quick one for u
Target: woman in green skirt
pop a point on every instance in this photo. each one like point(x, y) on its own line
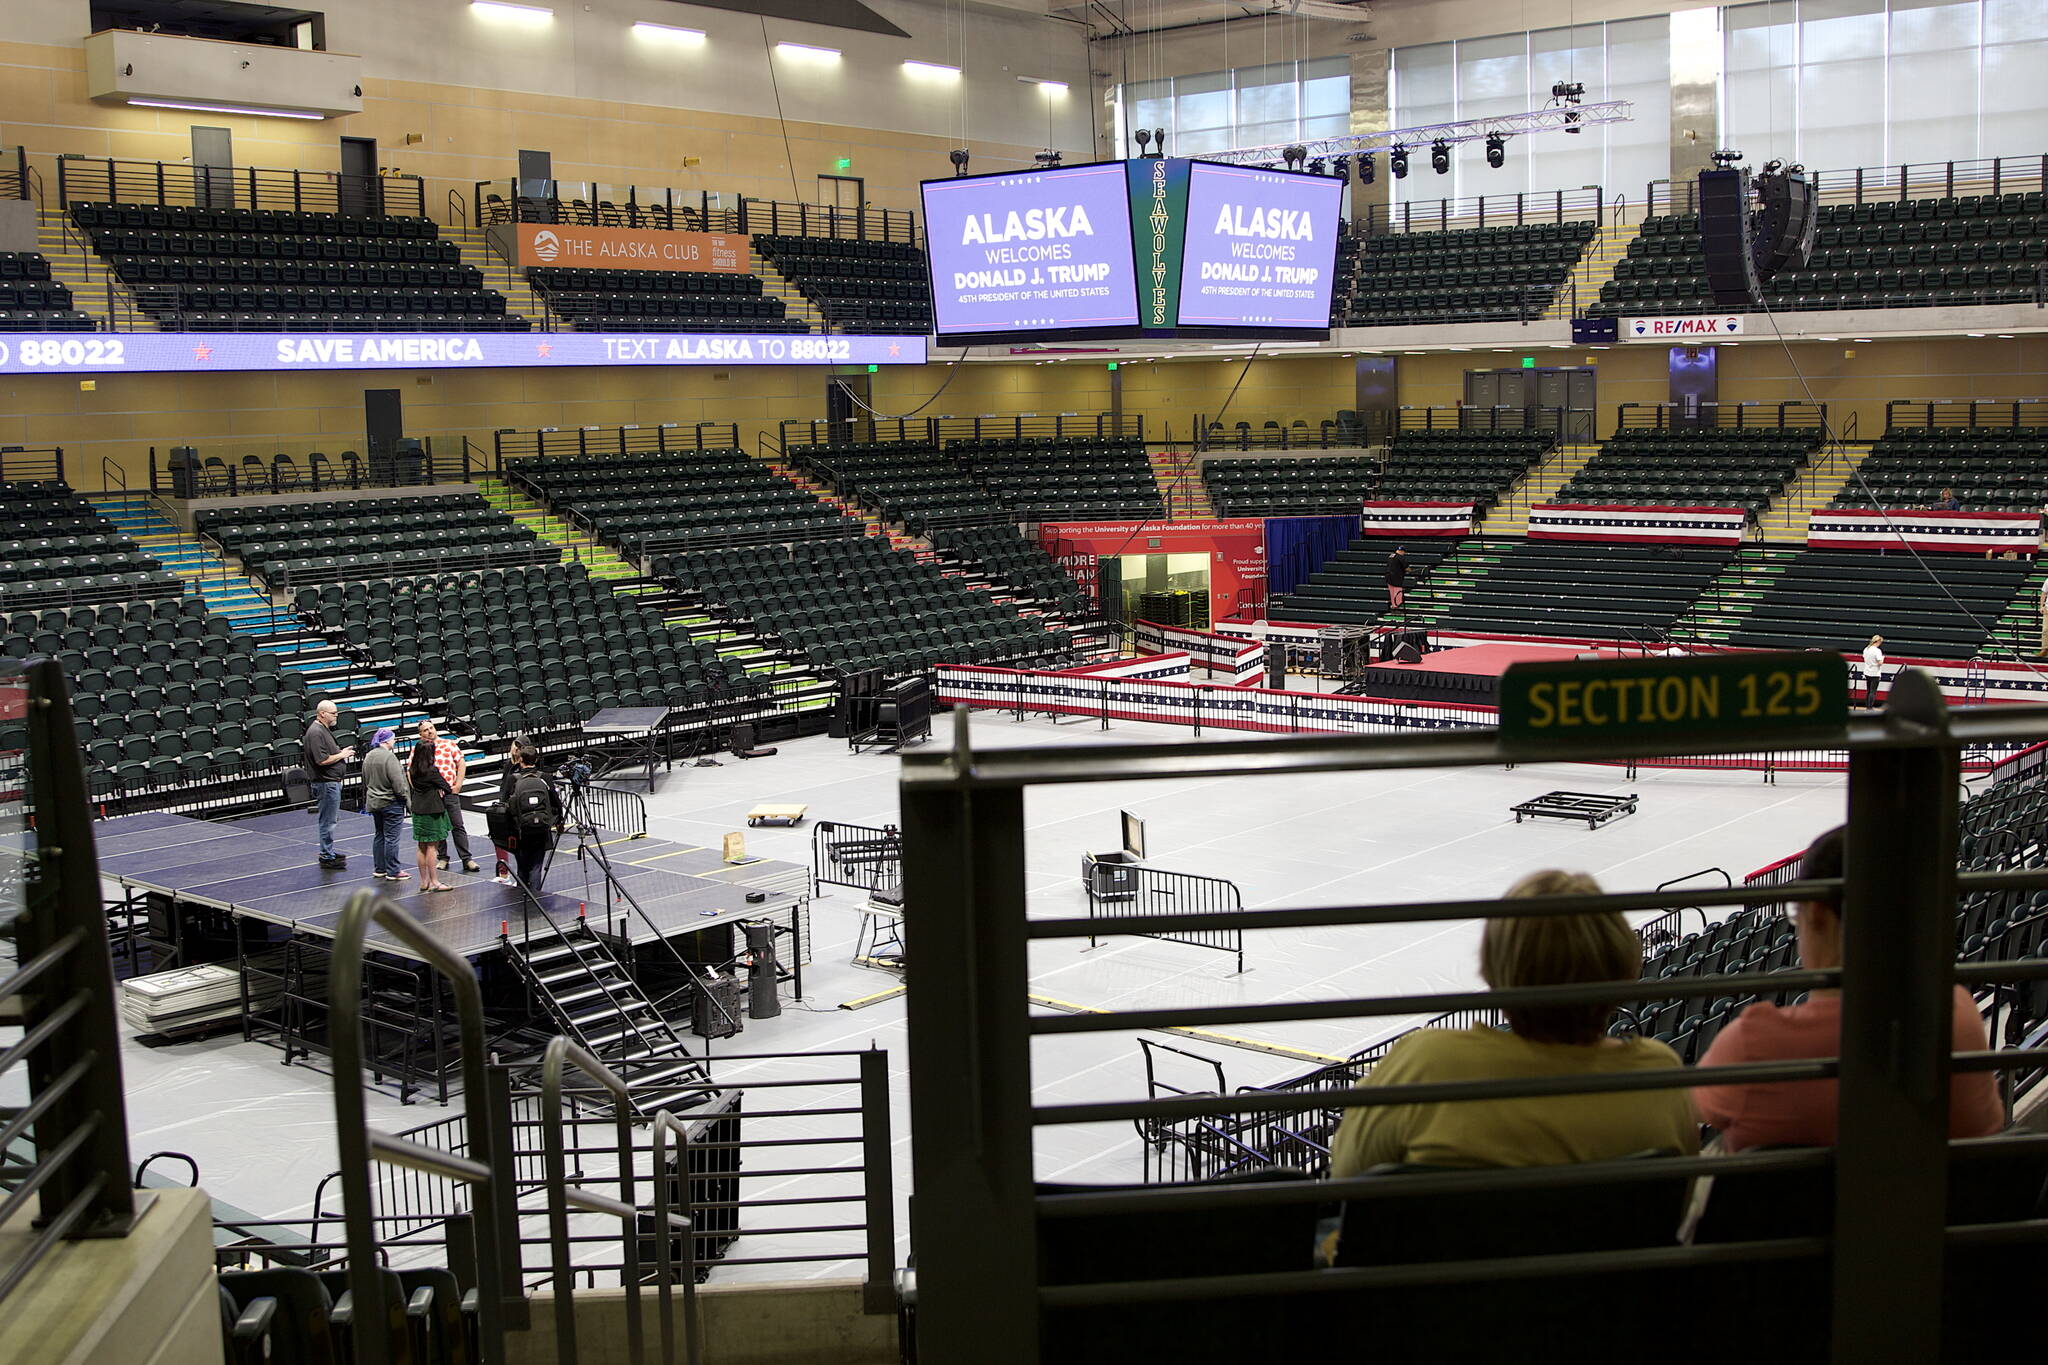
point(429, 801)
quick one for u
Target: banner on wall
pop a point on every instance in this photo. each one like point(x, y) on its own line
point(1955, 532)
point(1236, 551)
point(617, 248)
point(1235, 661)
point(1639, 525)
point(1416, 519)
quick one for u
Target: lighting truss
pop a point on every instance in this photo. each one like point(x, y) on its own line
point(1551, 120)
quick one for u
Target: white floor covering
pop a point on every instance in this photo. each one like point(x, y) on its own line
point(263, 1134)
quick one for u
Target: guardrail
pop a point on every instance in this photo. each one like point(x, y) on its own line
point(1499, 418)
point(1485, 210)
point(1346, 428)
point(61, 994)
point(106, 180)
point(776, 218)
point(19, 464)
point(661, 438)
point(242, 471)
point(1878, 184)
point(1965, 412)
point(14, 181)
point(1811, 418)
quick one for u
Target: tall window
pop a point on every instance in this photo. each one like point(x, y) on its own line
point(1838, 84)
point(1511, 73)
point(1253, 106)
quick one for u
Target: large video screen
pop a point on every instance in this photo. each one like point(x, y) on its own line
point(1260, 250)
point(1034, 252)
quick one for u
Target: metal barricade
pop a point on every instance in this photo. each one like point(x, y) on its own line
point(859, 856)
point(1122, 890)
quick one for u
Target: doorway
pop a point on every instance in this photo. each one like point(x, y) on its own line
point(213, 167)
point(843, 414)
point(360, 193)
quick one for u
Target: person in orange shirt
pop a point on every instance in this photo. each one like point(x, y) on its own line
point(1802, 1113)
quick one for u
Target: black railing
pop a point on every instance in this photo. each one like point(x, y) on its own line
point(1486, 210)
point(1121, 890)
point(660, 438)
point(14, 181)
point(1810, 418)
point(774, 218)
point(1346, 428)
point(20, 464)
point(1879, 184)
point(860, 856)
point(1965, 412)
point(312, 471)
point(1571, 421)
point(593, 204)
point(1030, 426)
point(105, 180)
point(64, 1145)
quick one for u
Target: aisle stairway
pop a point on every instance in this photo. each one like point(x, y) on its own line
point(1784, 521)
point(776, 285)
point(94, 290)
point(1581, 289)
point(1728, 599)
point(1510, 516)
point(1179, 477)
point(599, 559)
point(519, 296)
point(1462, 568)
point(2018, 633)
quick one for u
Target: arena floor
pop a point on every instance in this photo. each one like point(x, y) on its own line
point(263, 1133)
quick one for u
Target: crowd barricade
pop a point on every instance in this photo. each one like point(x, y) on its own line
point(1237, 661)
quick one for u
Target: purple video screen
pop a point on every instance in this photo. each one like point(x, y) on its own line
point(1261, 248)
point(1037, 251)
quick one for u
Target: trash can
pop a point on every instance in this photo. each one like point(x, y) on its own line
point(184, 473)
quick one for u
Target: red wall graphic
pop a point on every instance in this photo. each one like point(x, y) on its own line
point(1236, 550)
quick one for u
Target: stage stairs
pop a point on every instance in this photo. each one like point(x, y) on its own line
point(1718, 611)
point(1510, 516)
point(594, 1000)
point(1179, 476)
point(1784, 521)
point(1595, 267)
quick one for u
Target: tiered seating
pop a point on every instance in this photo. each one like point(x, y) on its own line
point(1459, 466)
point(1464, 275)
point(1897, 254)
point(861, 286)
point(536, 649)
point(1758, 940)
point(1991, 469)
point(1693, 467)
point(1838, 599)
point(604, 213)
point(859, 604)
point(2006, 829)
point(270, 270)
point(318, 542)
point(54, 547)
point(30, 301)
point(167, 694)
point(1571, 589)
point(644, 501)
point(910, 482)
point(1344, 275)
point(660, 301)
point(1279, 487)
point(1063, 478)
point(1352, 588)
point(1001, 553)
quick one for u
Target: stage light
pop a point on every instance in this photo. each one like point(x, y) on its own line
point(1143, 137)
point(1046, 159)
point(1367, 171)
point(1294, 156)
point(1440, 157)
point(1397, 161)
point(1496, 150)
point(959, 158)
point(1159, 140)
point(1318, 166)
point(1341, 167)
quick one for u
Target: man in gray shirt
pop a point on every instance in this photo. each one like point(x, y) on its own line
point(326, 764)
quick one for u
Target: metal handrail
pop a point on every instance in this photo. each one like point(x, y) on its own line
point(360, 1144)
point(111, 180)
point(665, 1124)
point(1885, 184)
point(562, 1053)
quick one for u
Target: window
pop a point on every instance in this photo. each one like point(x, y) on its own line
point(1254, 106)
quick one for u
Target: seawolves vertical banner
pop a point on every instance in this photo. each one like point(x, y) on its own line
point(1159, 225)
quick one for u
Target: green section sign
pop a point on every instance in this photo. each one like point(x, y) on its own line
point(1556, 706)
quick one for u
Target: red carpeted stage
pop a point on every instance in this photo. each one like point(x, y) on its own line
point(1470, 675)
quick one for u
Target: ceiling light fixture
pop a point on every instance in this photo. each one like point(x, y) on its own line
point(808, 51)
point(519, 14)
point(225, 109)
point(934, 70)
point(670, 32)
point(1050, 87)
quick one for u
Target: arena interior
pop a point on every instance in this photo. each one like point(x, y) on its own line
point(1325, 568)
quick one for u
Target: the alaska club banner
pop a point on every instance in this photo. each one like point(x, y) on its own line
point(1415, 519)
point(1638, 525)
point(1966, 532)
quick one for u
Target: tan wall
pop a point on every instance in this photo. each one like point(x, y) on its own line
point(471, 134)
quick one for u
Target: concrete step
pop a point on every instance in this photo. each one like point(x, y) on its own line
point(1595, 267)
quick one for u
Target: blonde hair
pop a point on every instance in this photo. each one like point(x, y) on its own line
point(1558, 950)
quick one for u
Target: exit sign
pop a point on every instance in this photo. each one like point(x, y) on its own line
point(844, 163)
point(1550, 708)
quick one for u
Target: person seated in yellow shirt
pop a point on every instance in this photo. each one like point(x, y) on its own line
point(1551, 1040)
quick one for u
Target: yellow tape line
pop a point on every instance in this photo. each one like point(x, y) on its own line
point(1205, 1035)
point(877, 998)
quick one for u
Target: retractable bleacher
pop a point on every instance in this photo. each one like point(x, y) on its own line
point(1352, 588)
point(1489, 274)
point(905, 481)
point(1693, 467)
point(1911, 253)
point(1570, 589)
point(660, 301)
point(1063, 478)
point(30, 301)
point(1000, 553)
point(1937, 606)
point(293, 544)
point(1460, 466)
point(233, 269)
point(1280, 487)
point(857, 284)
point(1991, 469)
point(56, 549)
point(642, 503)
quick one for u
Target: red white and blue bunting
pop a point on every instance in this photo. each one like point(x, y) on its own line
point(1196, 704)
point(1234, 661)
point(1164, 665)
point(1639, 525)
point(1942, 532)
point(1416, 519)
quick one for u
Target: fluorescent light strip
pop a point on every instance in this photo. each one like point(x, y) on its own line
point(824, 54)
point(1043, 83)
point(500, 9)
point(671, 32)
point(223, 109)
point(935, 70)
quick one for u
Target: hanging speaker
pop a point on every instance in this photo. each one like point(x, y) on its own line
point(1725, 238)
point(1786, 224)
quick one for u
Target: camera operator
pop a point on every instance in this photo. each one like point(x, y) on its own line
point(535, 812)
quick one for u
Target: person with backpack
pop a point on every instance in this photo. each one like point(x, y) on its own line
point(536, 814)
point(498, 815)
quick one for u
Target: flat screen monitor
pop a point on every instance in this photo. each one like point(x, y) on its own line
point(1031, 253)
point(1260, 250)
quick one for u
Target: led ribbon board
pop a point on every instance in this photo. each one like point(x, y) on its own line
point(205, 352)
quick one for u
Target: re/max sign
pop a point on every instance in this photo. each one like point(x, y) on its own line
point(1559, 703)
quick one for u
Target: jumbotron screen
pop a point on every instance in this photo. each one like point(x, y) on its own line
point(1037, 252)
point(1157, 247)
